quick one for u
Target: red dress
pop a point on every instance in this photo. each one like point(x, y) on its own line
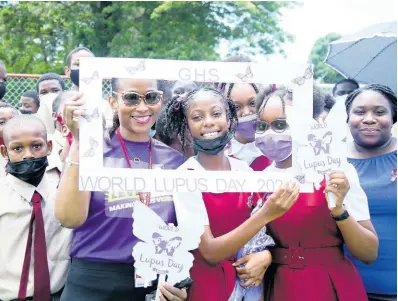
point(226, 211)
point(308, 261)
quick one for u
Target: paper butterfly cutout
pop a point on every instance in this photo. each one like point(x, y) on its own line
point(245, 77)
point(163, 249)
point(89, 80)
point(321, 144)
point(92, 116)
point(307, 75)
point(322, 147)
point(91, 151)
point(133, 70)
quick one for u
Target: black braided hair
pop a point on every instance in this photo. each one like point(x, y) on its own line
point(177, 109)
point(329, 102)
point(285, 94)
point(160, 127)
point(229, 86)
point(383, 90)
point(161, 85)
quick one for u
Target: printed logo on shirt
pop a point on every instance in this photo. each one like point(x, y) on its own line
point(121, 203)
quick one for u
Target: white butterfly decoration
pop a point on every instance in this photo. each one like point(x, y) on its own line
point(164, 249)
point(322, 147)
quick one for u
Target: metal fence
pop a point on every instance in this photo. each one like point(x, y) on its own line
point(17, 84)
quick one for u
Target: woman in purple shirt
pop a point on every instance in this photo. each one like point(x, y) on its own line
point(102, 266)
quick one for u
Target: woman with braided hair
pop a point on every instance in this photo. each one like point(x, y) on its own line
point(243, 96)
point(372, 111)
point(210, 119)
point(102, 266)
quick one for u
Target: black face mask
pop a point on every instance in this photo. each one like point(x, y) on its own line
point(74, 76)
point(2, 89)
point(24, 111)
point(213, 146)
point(30, 170)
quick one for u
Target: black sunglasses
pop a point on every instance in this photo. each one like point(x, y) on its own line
point(278, 125)
point(132, 99)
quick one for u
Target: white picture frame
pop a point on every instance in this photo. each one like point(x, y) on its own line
point(93, 176)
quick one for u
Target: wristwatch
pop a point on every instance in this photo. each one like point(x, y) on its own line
point(342, 216)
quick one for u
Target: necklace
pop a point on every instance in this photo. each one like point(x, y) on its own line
point(137, 159)
point(126, 156)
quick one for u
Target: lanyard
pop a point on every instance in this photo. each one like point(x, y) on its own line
point(126, 155)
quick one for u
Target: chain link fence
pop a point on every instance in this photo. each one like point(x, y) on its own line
point(17, 84)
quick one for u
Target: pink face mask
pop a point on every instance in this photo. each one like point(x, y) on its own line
point(275, 146)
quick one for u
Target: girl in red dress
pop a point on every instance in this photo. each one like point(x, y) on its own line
point(210, 119)
point(308, 262)
point(242, 145)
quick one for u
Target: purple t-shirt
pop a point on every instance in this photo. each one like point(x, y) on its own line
point(107, 234)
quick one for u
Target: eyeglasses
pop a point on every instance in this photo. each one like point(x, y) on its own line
point(278, 125)
point(132, 99)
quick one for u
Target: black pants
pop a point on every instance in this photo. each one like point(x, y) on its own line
point(377, 297)
point(99, 281)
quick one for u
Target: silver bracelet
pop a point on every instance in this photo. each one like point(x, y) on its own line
point(70, 163)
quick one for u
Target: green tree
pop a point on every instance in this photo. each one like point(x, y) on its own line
point(35, 37)
point(323, 72)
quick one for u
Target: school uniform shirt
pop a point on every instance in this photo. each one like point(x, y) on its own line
point(223, 212)
point(2, 166)
point(249, 153)
point(107, 234)
point(308, 234)
point(15, 214)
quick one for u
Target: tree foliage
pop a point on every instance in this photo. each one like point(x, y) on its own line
point(323, 72)
point(35, 37)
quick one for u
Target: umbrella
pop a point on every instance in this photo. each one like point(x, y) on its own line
point(369, 56)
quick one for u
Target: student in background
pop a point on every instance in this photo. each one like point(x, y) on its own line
point(6, 113)
point(3, 80)
point(329, 103)
point(72, 68)
point(372, 110)
point(34, 246)
point(29, 102)
point(345, 87)
point(242, 145)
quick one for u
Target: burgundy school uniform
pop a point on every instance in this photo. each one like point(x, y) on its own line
point(224, 212)
point(308, 261)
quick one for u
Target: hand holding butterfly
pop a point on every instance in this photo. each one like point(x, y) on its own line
point(72, 111)
point(337, 184)
point(281, 200)
point(170, 293)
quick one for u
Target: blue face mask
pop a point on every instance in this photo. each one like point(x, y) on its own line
point(152, 133)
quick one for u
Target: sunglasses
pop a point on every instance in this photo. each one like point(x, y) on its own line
point(278, 125)
point(132, 99)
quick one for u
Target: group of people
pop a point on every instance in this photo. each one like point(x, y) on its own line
point(307, 250)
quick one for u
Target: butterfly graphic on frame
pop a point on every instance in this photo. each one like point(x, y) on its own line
point(139, 68)
point(245, 77)
point(307, 75)
point(165, 245)
point(89, 80)
point(92, 116)
point(91, 151)
point(322, 144)
point(300, 179)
